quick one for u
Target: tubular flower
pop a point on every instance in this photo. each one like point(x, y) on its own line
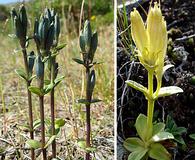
point(150, 39)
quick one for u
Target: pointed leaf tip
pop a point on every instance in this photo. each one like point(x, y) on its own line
point(167, 91)
point(136, 86)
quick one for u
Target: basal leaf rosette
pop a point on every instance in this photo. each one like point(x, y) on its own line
point(143, 146)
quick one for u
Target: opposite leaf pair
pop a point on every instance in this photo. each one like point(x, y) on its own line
point(148, 145)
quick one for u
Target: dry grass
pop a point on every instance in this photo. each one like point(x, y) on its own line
point(13, 101)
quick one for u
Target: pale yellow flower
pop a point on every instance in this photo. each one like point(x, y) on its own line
point(150, 38)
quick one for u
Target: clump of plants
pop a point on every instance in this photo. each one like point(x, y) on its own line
point(88, 44)
point(151, 43)
point(46, 35)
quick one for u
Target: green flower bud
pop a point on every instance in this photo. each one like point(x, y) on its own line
point(43, 31)
point(93, 47)
point(57, 29)
point(82, 43)
point(13, 14)
point(39, 67)
point(31, 60)
point(53, 13)
point(36, 27)
point(18, 28)
point(92, 82)
point(40, 28)
point(20, 24)
point(23, 19)
point(36, 34)
point(47, 14)
point(50, 37)
point(88, 43)
point(87, 33)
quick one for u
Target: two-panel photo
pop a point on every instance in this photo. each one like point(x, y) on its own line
point(97, 80)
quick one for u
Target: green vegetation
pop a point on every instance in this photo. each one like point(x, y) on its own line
point(88, 44)
point(151, 53)
point(71, 87)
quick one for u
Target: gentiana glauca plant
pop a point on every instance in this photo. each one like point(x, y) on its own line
point(46, 33)
point(151, 43)
point(88, 45)
point(20, 23)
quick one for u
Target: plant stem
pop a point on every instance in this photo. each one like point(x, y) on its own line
point(150, 104)
point(88, 125)
point(31, 119)
point(53, 107)
point(53, 123)
point(41, 101)
point(29, 100)
point(41, 104)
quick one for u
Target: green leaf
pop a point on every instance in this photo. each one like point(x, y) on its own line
point(167, 67)
point(85, 101)
point(192, 136)
point(2, 150)
point(36, 123)
point(46, 82)
point(159, 127)
point(61, 46)
point(171, 127)
point(159, 152)
point(94, 63)
point(57, 131)
point(59, 123)
point(161, 136)
point(21, 74)
point(82, 144)
point(136, 86)
point(36, 90)
point(24, 127)
point(45, 59)
point(51, 139)
point(55, 52)
point(141, 126)
point(170, 124)
point(50, 133)
point(133, 144)
point(79, 61)
point(32, 77)
point(91, 149)
point(179, 139)
point(95, 100)
point(58, 80)
point(167, 91)
point(48, 88)
point(179, 131)
point(137, 155)
point(33, 143)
